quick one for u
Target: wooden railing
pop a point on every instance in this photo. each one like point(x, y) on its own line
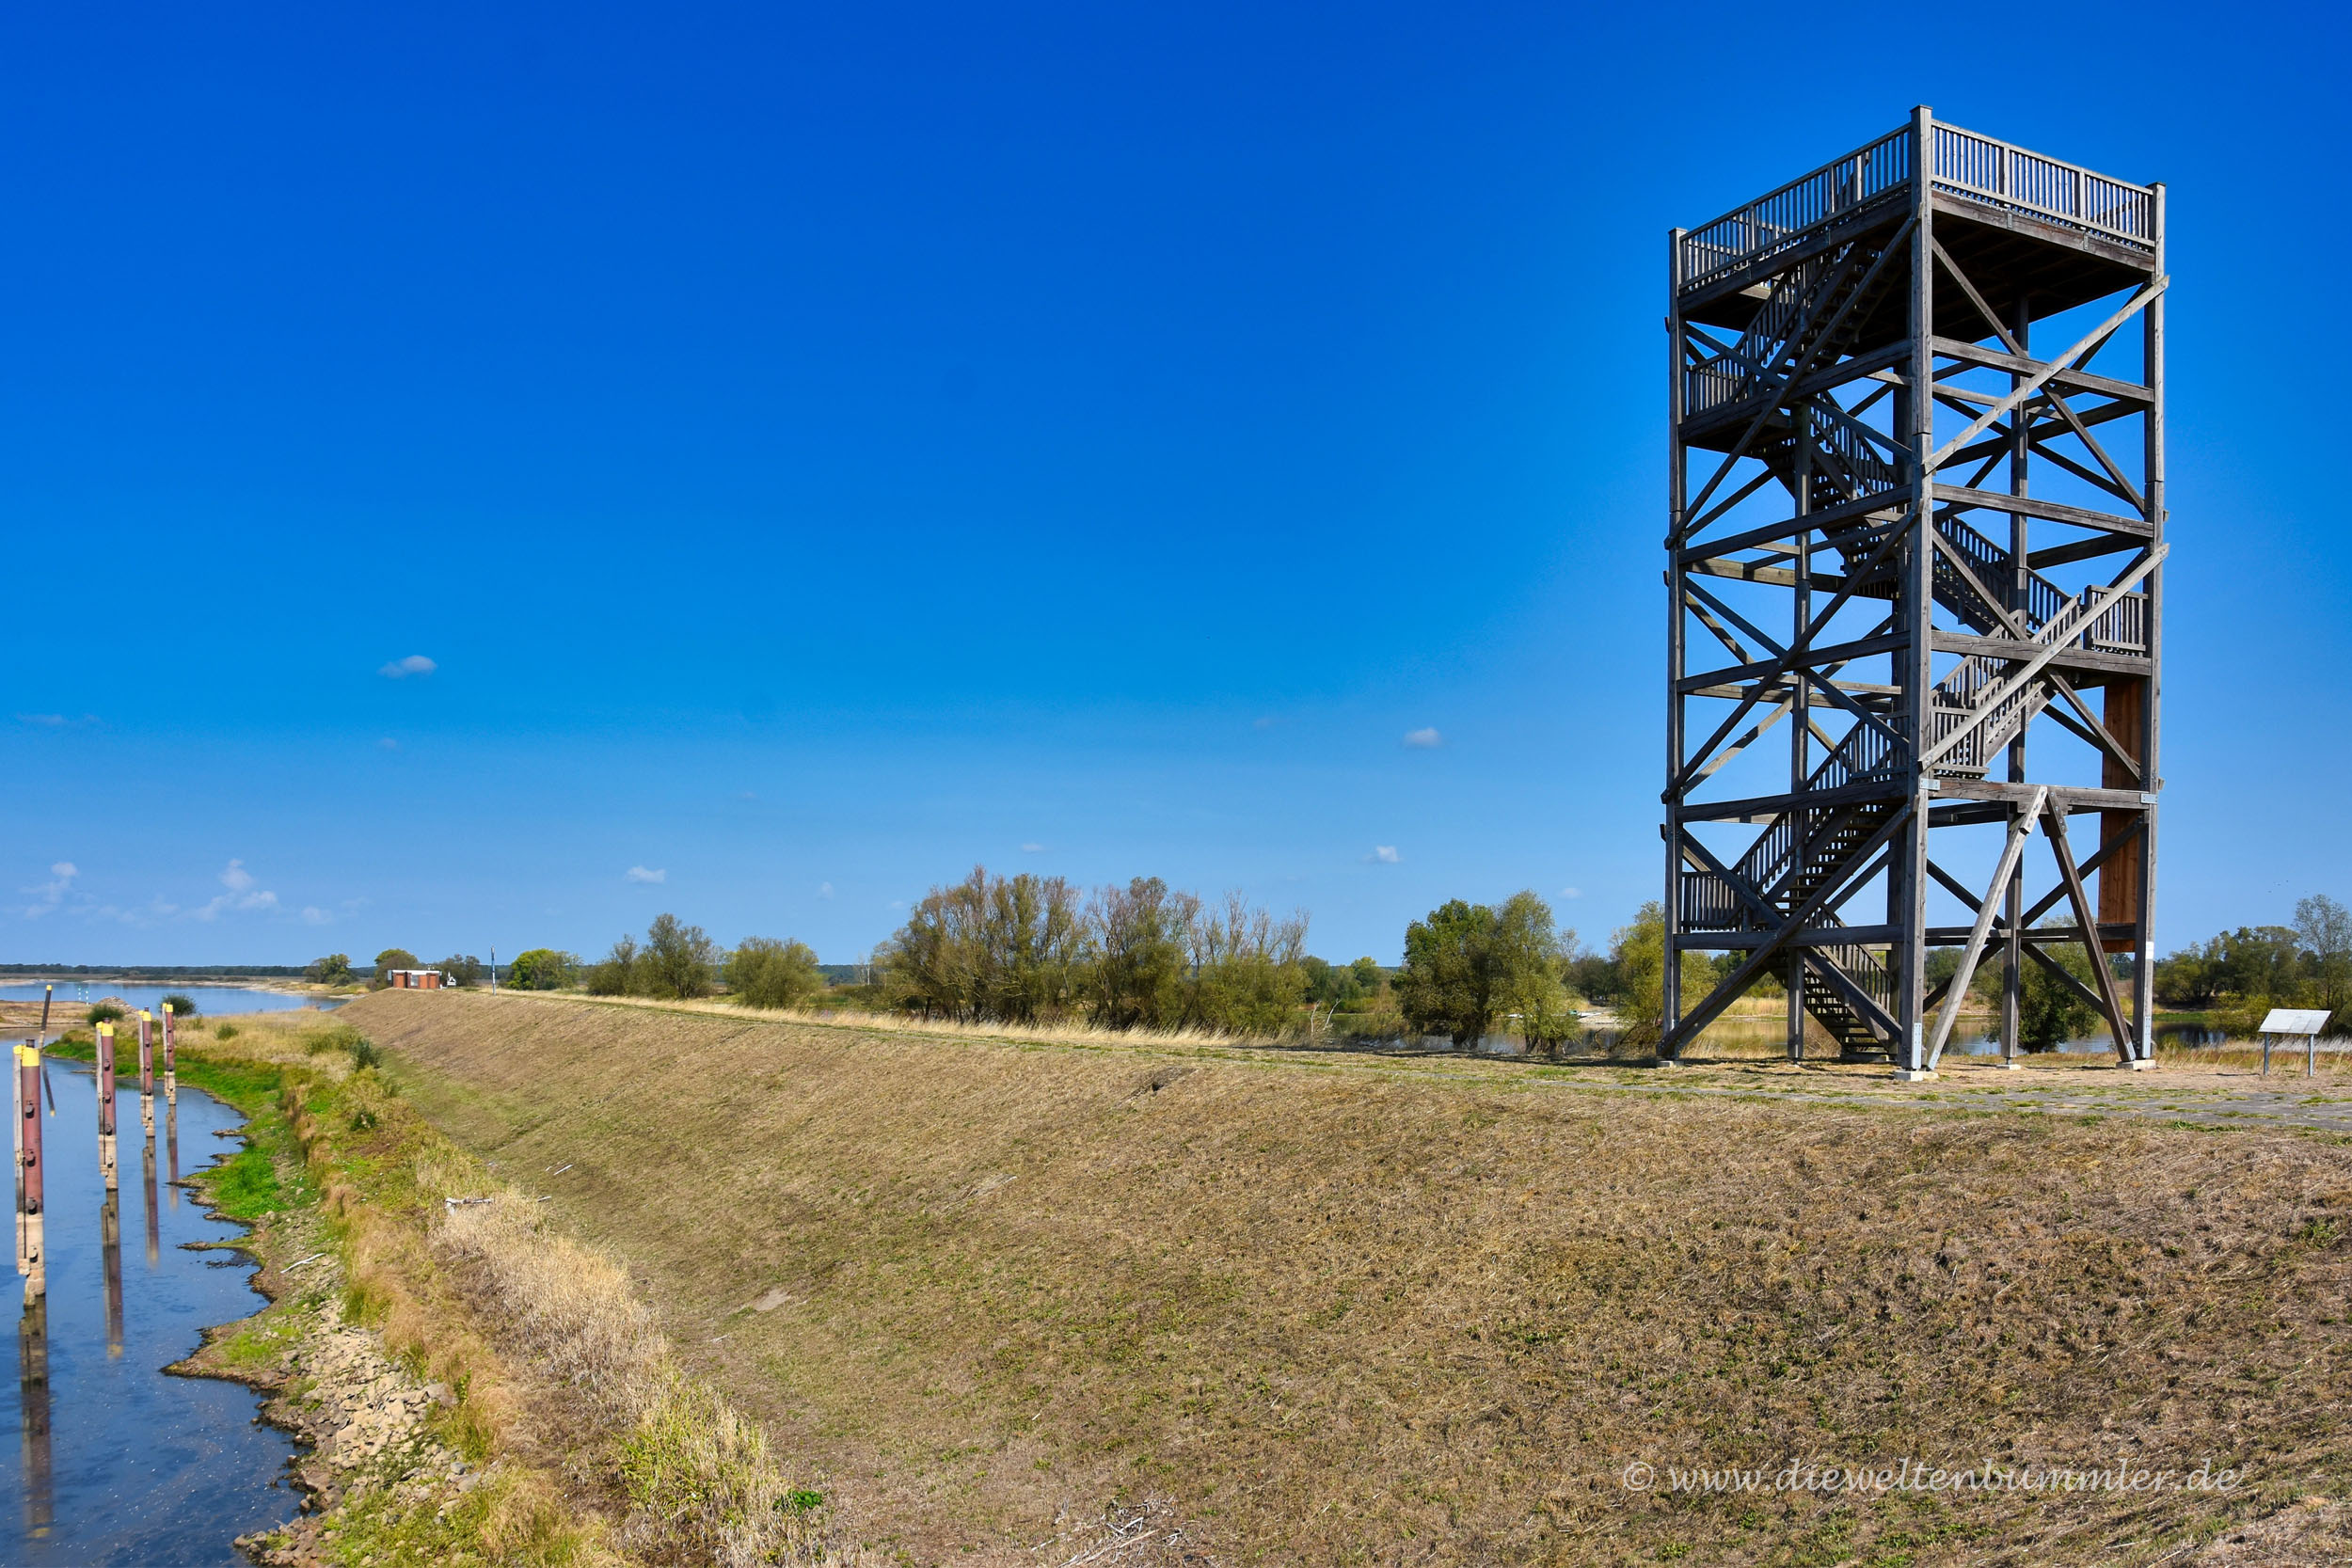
point(1962, 163)
point(1774, 221)
point(2005, 176)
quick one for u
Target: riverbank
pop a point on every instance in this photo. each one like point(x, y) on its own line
point(1323, 1307)
point(474, 1388)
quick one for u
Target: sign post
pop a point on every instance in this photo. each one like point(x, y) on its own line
point(2286, 1024)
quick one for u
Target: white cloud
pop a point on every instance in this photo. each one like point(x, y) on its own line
point(52, 894)
point(389, 744)
point(824, 889)
point(1571, 893)
point(1033, 848)
point(1424, 741)
point(1266, 724)
point(241, 895)
point(401, 669)
point(1383, 854)
point(640, 874)
point(314, 916)
point(745, 795)
point(56, 720)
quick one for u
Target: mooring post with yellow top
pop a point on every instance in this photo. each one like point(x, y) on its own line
point(30, 1171)
point(147, 1072)
point(172, 1071)
point(106, 1105)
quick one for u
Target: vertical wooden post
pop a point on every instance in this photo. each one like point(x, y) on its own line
point(1907, 872)
point(1677, 484)
point(2152, 721)
point(171, 1153)
point(32, 1383)
point(106, 1105)
point(2020, 588)
point(171, 1074)
point(147, 1073)
point(31, 1174)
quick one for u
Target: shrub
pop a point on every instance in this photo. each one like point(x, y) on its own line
point(102, 1012)
point(332, 970)
point(678, 959)
point(182, 1004)
point(765, 972)
point(617, 976)
point(543, 969)
point(224, 1030)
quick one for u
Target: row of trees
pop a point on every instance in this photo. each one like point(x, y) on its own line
point(678, 961)
point(1031, 949)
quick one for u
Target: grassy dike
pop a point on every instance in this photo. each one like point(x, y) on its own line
point(476, 1389)
point(1324, 1308)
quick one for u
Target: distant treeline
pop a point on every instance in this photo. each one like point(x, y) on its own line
point(2243, 973)
point(1142, 954)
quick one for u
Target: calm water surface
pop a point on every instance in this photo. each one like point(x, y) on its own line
point(110, 1461)
point(74, 997)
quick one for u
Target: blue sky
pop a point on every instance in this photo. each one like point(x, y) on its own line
point(817, 448)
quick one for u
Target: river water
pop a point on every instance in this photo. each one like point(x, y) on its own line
point(73, 997)
point(109, 1460)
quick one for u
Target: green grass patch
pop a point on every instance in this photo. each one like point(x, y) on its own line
point(245, 1186)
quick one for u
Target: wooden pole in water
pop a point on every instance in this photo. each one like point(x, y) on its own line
point(110, 1243)
point(171, 1072)
point(147, 1072)
point(30, 1252)
point(155, 1220)
point(32, 1383)
point(106, 1105)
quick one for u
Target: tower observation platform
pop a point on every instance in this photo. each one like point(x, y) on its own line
point(1915, 568)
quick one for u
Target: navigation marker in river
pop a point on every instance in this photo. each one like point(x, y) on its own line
point(106, 1105)
point(147, 1073)
point(28, 1173)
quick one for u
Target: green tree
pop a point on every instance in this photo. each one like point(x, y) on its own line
point(389, 960)
point(1529, 954)
point(1012, 949)
point(1637, 953)
point(1448, 985)
point(2049, 1012)
point(678, 959)
point(620, 973)
point(332, 970)
point(542, 969)
point(1245, 975)
point(765, 972)
point(2324, 928)
point(461, 969)
point(1137, 973)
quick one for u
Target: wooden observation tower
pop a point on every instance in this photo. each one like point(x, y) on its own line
point(1915, 568)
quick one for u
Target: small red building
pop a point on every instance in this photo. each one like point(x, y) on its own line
point(415, 979)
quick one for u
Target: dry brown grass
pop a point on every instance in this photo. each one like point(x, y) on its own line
point(1346, 1309)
